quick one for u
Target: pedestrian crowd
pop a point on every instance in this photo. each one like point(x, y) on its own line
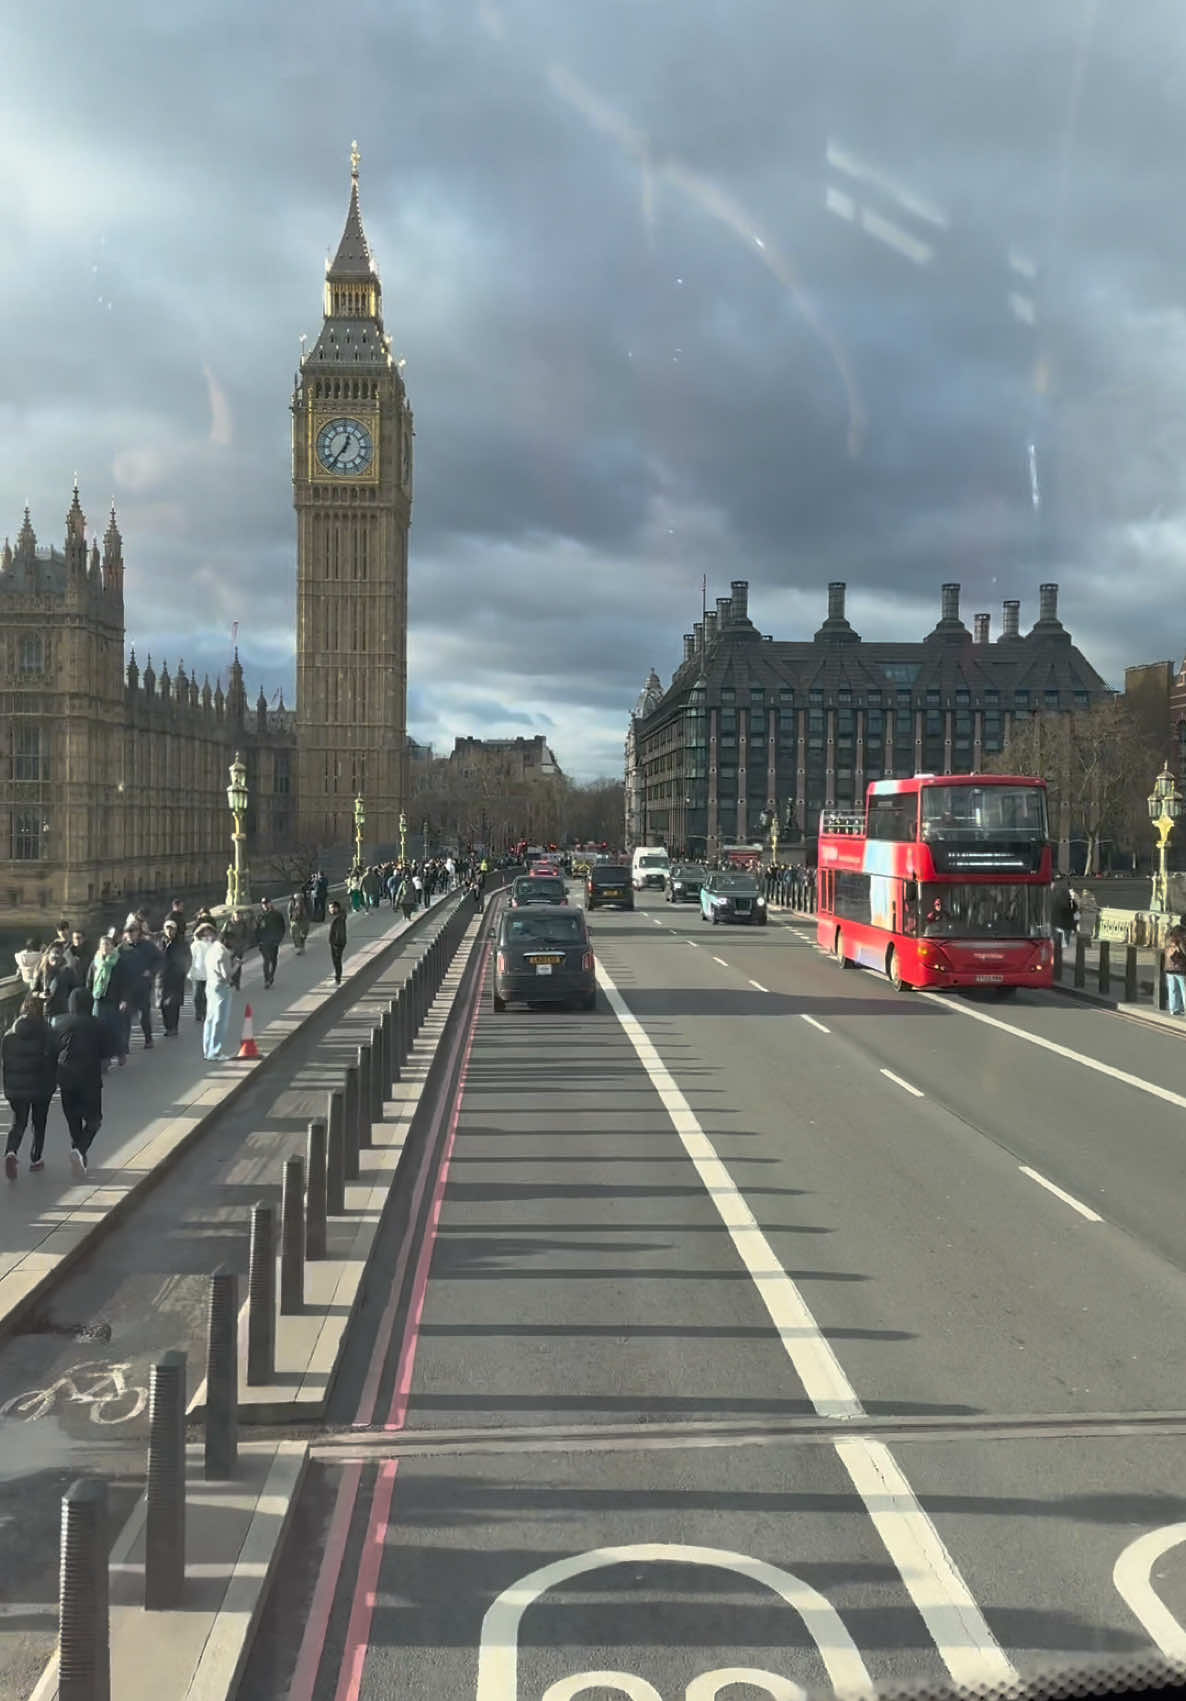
point(790, 884)
point(84, 1000)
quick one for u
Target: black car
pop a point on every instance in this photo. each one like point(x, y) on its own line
point(684, 880)
point(544, 957)
point(609, 883)
point(729, 896)
point(538, 889)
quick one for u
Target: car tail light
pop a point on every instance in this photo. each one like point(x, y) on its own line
point(587, 962)
point(502, 962)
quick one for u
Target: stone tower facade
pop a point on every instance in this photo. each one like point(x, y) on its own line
point(352, 490)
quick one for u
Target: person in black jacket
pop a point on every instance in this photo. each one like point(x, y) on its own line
point(174, 968)
point(142, 962)
point(27, 1061)
point(56, 981)
point(81, 1045)
point(269, 932)
point(337, 939)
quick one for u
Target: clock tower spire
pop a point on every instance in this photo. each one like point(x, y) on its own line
point(352, 490)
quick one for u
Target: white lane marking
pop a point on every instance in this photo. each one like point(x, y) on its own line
point(814, 1023)
point(759, 986)
point(1132, 1575)
point(963, 1639)
point(1136, 1081)
point(693, 944)
point(905, 1085)
point(498, 1643)
point(1083, 1210)
point(721, 961)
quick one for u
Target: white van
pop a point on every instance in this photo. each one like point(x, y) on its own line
point(649, 866)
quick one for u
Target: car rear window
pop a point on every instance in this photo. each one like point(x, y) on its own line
point(556, 926)
point(540, 883)
point(609, 876)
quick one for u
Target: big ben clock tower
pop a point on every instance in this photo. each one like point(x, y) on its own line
point(352, 490)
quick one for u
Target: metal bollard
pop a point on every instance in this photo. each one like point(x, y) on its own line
point(292, 1238)
point(1130, 974)
point(365, 1098)
point(222, 1376)
point(335, 1160)
point(316, 1202)
point(164, 1518)
point(350, 1124)
point(378, 1074)
point(261, 1297)
point(405, 1022)
point(394, 1019)
point(1105, 966)
point(1080, 960)
point(84, 1637)
point(1161, 988)
point(1057, 956)
point(390, 1067)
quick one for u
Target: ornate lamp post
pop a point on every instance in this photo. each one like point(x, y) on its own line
point(360, 821)
point(237, 881)
point(403, 837)
point(1165, 806)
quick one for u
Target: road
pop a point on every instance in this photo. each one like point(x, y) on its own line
point(764, 1322)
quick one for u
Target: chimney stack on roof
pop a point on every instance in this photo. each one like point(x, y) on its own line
point(710, 627)
point(740, 599)
point(1012, 619)
point(949, 607)
point(689, 645)
point(1048, 602)
point(724, 607)
point(836, 592)
point(982, 623)
point(698, 631)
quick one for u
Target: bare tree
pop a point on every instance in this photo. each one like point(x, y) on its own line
point(1097, 764)
point(295, 863)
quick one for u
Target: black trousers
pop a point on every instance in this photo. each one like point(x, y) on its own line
point(200, 1000)
point(336, 959)
point(83, 1110)
point(267, 956)
point(21, 1109)
point(171, 1009)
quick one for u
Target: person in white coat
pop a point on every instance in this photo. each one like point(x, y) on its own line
point(219, 966)
point(197, 968)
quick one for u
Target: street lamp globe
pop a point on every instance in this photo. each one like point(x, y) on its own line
point(236, 792)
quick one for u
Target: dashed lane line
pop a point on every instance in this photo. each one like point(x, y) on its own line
point(759, 986)
point(905, 1085)
point(814, 1023)
point(1067, 1198)
point(721, 961)
point(940, 1594)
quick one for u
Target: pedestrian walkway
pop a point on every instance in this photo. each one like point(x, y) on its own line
point(154, 1106)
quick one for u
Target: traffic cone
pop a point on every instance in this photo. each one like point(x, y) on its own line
point(248, 1047)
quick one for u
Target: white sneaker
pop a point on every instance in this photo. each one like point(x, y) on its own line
point(77, 1161)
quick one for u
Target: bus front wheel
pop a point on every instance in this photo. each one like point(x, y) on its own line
point(893, 968)
point(838, 949)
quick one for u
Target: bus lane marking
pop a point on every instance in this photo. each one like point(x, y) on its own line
point(1164, 1093)
point(1067, 1198)
point(905, 1085)
point(933, 1581)
point(814, 1023)
point(1133, 1576)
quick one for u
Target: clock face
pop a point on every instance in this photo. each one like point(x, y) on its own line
point(345, 446)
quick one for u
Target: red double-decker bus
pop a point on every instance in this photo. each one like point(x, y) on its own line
point(942, 880)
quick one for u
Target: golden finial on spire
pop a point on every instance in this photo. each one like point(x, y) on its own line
point(355, 156)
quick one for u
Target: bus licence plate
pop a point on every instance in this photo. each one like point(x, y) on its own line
point(989, 980)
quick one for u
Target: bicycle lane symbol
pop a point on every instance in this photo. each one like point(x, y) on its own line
point(103, 1388)
point(498, 1649)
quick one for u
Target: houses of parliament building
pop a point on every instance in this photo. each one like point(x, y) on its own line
point(113, 778)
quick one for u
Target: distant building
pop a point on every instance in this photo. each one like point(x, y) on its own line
point(113, 779)
point(517, 760)
point(419, 755)
point(749, 725)
point(1156, 693)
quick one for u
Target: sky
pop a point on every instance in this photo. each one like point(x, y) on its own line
point(782, 290)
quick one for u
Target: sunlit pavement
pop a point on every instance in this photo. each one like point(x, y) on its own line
point(894, 1423)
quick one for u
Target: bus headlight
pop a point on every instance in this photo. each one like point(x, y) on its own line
point(761, 903)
